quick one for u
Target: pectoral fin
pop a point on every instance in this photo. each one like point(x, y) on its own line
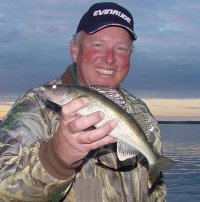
point(125, 151)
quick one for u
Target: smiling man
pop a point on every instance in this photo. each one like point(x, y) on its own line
point(52, 154)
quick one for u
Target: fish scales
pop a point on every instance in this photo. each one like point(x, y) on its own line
point(98, 102)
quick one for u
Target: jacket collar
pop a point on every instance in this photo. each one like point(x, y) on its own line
point(69, 76)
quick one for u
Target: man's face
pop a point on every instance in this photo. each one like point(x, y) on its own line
point(103, 58)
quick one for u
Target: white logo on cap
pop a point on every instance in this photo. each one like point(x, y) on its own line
point(112, 12)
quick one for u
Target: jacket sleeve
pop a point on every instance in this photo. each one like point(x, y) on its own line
point(27, 126)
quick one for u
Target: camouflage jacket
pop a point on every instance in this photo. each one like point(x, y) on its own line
point(101, 178)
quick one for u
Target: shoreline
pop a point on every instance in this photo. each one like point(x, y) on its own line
point(178, 122)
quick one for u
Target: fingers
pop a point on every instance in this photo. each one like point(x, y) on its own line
point(70, 109)
point(77, 125)
point(98, 136)
point(84, 122)
point(74, 124)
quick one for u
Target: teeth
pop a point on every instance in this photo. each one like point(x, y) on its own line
point(104, 71)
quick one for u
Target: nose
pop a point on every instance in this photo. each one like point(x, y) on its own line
point(109, 57)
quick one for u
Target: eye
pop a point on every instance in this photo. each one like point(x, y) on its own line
point(120, 48)
point(98, 45)
point(54, 86)
point(123, 49)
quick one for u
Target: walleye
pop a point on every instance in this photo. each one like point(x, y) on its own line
point(128, 133)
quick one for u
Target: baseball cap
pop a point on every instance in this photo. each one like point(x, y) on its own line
point(104, 14)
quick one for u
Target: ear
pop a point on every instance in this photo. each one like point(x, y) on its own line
point(74, 48)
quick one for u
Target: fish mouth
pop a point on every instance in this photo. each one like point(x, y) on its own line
point(104, 71)
point(41, 90)
point(44, 90)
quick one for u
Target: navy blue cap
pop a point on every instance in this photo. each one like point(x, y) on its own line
point(101, 15)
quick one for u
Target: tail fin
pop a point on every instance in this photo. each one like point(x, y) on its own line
point(162, 164)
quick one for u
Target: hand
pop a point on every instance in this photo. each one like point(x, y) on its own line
point(73, 140)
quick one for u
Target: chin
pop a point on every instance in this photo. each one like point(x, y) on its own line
point(107, 85)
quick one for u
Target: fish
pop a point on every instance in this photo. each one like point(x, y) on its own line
point(128, 133)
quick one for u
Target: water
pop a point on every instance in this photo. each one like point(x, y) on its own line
point(181, 142)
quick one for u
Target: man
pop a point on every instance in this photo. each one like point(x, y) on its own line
point(51, 154)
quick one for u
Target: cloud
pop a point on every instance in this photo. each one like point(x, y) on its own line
point(35, 35)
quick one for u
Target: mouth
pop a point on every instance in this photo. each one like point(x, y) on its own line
point(104, 71)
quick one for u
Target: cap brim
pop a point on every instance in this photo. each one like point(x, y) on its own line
point(97, 27)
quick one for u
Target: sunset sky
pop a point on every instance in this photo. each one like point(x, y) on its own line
point(34, 48)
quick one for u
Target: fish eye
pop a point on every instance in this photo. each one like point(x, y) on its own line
point(54, 87)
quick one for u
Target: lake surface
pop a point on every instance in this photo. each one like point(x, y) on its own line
point(181, 142)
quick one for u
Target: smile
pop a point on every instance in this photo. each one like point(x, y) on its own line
point(104, 71)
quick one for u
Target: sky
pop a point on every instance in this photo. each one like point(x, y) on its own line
point(34, 49)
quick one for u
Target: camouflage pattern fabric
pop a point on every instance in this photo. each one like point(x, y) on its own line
point(102, 178)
